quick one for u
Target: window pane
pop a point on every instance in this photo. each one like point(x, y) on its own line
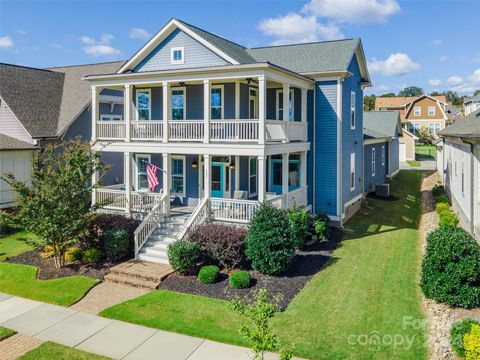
point(143, 100)
point(177, 55)
point(177, 184)
point(142, 164)
point(142, 181)
point(280, 100)
point(216, 113)
point(177, 99)
point(253, 184)
point(216, 97)
point(177, 114)
point(293, 174)
point(143, 114)
point(253, 166)
point(280, 114)
point(177, 166)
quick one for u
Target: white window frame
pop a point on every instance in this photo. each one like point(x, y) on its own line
point(173, 50)
point(250, 193)
point(353, 114)
point(111, 117)
point(137, 169)
point(184, 159)
point(383, 155)
point(184, 89)
point(149, 91)
point(374, 161)
point(417, 111)
point(431, 111)
point(255, 99)
point(280, 104)
point(222, 107)
point(353, 175)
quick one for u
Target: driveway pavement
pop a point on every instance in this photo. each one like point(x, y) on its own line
point(111, 338)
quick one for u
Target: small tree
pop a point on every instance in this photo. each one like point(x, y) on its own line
point(55, 204)
point(425, 136)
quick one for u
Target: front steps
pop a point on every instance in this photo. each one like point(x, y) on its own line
point(139, 274)
point(155, 249)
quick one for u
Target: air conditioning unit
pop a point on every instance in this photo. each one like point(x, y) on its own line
point(383, 190)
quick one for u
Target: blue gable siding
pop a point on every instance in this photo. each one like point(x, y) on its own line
point(380, 169)
point(352, 139)
point(195, 54)
point(325, 147)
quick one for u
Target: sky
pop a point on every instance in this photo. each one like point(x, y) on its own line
point(431, 44)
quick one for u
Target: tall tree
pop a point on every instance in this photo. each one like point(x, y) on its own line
point(411, 91)
point(369, 102)
point(55, 204)
point(390, 94)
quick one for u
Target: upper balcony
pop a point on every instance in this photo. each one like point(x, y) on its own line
point(229, 110)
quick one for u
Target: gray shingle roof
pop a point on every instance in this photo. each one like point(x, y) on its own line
point(469, 126)
point(381, 124)
point(9, 143)
point(470, 99)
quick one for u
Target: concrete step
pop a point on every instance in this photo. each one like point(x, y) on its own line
point(153, 250)
point(157, 244)
point(167, 238)
point(131, 281)
point(161, 259)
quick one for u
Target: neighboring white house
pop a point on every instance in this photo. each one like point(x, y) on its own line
point(459, 165)
point(471, 104)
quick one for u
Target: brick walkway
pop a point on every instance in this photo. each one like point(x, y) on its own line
point(105, 295)
point(17, 345)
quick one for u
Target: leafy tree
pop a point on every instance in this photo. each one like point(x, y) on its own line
point(369, 102)
point(411, 91)
point(55, 204)
point(436, 93)
point(390, 94)
point(425, 136)
point(477, 92)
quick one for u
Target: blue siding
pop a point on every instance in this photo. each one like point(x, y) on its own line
point(194, 102)
point(271, 104)
point(326, 147)
point(229, 98)
point(380, 170)
point(195, 54)
point(244, 101)
point(310, 153)
point(352, 140)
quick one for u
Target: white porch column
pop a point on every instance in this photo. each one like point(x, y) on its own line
point(285, 158)
point(207, 184)
point(166, 167)
point(262, 177)
point(237, 173)
point(166, 110)
point(303, 169)
point(127, 160)
point(95, 112)
point(304, 104)
point(95, 177)
point(206, 111)
point(237, 99)
point(127, 110)
point(286, 109)
point(262, 96)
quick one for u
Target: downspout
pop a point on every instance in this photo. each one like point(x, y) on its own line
point(472, 185)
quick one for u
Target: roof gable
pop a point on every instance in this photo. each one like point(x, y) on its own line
point(436, 100)
point(469, 126)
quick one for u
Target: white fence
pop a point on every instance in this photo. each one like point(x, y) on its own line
point(146, 130)
point(111, 130)
point(234, 130)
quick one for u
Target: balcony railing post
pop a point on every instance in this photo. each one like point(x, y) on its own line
point(95, 112)
point(286, 109)
point(166, 107)
point(285, 164)
point(262, 89)
point(128, 111)
point(262, 177)
point(128, 180)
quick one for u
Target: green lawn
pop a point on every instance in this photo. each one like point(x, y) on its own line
point(5, 333)
point(49, 350)
point(426, 151)
point(414, 163)
point(369, 291)
point(14, 244)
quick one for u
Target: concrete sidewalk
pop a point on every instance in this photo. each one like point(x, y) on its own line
point(111, 338)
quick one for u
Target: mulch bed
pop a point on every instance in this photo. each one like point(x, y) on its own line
point(308, 261)
point(47, 269)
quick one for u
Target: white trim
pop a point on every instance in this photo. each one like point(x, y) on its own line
point(339, 147)
point(31, 140)
point(376, 141)
point(222, 107)
point(352, 170)
point(353, 109)
point(170, 105)
point(415, 108)
point(184, 159)
point(110, 117)
point(393, 174)
point(374, 161)
point(277, 104)
point(149, 91)
point(250, 194)
point(352, 201)
point(149, 156)
point(430, 107)
point(255, 98)
point(383, 155)
point(182, 51)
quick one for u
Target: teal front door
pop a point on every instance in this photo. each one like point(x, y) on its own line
point(276, 176)
point(218, 177)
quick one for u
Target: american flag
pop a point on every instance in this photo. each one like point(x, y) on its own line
point(152, 176)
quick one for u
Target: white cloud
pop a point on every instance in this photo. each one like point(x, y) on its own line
point(443, 58)
point(20, 31)
point(463, 88)
point(454, 80)
point(395, 64)
point(57, 46)
point(475, 77)
point(99, 47)
point(437, 42)
point(87, 40)
point(295, 28)
point(6, 42)
point(353, 11)
point(434, 82)
point(139, 33)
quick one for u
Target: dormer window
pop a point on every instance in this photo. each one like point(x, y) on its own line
point(177, 55)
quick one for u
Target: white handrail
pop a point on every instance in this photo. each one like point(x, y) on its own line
point(233, 210)
point(150, 223)
point(197, 217)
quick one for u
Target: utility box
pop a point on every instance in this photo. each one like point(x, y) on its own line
point(383, 190)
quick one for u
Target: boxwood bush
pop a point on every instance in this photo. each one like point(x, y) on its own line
point(471, 343)
point(269, 245)
point(457, 332)
point(116, 244)
point(92, 256)
point(448, 218)
point(438, 190)
point(442, 199)
point(73, 254)
point(208, 274)
point(300, 222)
point(451, 268)
point(222, 244)
point(321, 225)
point(240, 279)
point(184, 256)
point(442, 207)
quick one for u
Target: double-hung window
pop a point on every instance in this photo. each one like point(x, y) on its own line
point(178, 175)
point(252, 176)
point(280, 105)
point(417, 111)
point(373, 162)
point(352, 110)
point(178, 104)
point(216, 102)
point(383, 155)
point(141, 181)
point(434, 127)
point(352, 171)
point(431, 111)
point(177, 55)
point(144, 106)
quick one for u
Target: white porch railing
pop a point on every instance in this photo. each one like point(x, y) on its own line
point(186, 130)
point(146, 130)
point(297, 131)
point(150, 223)
point(297, 197)
point(278, 130)
point(199, 216)
point(234, 130)
point(232, 210)
point(111, 130)
point(114, 199)
point(143, 201)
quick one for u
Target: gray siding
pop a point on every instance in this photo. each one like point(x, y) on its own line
point(195, 54)
point(10, 126)
point(380, 169)
point(393, 156)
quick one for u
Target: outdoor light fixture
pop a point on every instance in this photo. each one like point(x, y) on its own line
point(194, 164)
point(231, 166)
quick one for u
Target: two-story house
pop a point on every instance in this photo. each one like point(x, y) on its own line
point(471, 104)
point(230, 127)
point(417, 112)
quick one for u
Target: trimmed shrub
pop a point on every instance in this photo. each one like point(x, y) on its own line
point(442, 207)
point(438, 190)
point(471, 343)
point(448, 218)
point(451, 268)
point(221, 243)
point(300, 222)
point(269, 245)
point(47, 252)
point(73, 254)
point(457, 332)
point(116, 244)
point(92, 256)
point(184, 256)
point(240, 279)
point(321, 224)
point(442, 199)
point(208, 274)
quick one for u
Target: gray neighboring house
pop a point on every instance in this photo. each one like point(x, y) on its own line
point(453, 113)
point(470, 104)
point(459, 166)
point(42, 106)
